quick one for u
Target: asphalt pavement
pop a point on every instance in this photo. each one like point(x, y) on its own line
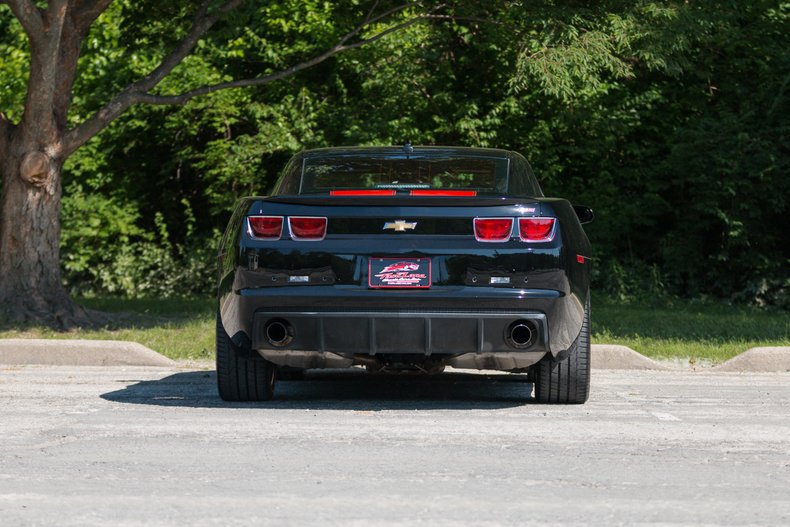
point(139, 445)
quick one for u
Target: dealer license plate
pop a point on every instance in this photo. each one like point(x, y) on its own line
point(400, 273)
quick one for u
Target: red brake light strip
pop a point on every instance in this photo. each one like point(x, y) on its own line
point(361, 192)
point(417, 192)
point(447, 193)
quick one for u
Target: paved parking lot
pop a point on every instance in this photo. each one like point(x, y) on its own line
point(89, 445)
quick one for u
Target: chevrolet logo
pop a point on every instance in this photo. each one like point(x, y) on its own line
point(400, 225)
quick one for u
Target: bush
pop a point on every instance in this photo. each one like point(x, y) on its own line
point(103, 251)
point(629, 281)
point(150, 270)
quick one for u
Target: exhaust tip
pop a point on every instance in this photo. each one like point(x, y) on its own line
point(279, 333)
point(521, 334)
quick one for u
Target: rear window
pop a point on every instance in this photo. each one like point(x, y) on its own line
point(483, 174)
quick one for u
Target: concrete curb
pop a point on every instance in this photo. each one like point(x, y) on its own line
point(79, 353)
point(765, 359)
point(122, 353)
point(754, 360)
point(615, 357)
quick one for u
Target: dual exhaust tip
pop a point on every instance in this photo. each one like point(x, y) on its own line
point(520, 334)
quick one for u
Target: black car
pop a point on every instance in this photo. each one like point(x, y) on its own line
point(405, 258)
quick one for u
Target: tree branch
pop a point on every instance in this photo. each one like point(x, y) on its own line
point(87, 11)
point(139, 92)
point(48, 58)
point(201, 23)
point(372, 10)
point(29, 16)
point(368, 20)
point(465, 19)
point(149, 98)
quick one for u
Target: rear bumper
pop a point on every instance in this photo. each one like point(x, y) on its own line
point(403, 332)
point(352, 320)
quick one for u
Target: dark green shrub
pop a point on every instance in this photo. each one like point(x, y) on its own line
point(104, 251)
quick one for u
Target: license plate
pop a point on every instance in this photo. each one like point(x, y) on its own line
point(409, 273)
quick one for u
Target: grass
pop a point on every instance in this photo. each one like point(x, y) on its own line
point(179, 329)
point(697, 331)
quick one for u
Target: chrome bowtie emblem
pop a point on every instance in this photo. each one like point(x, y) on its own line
point(400, 225)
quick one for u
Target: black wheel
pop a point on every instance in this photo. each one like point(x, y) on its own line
point(241, 378)
point(566, 381)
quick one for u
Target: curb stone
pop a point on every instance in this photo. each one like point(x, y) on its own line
point(763, 359)
point(754, 360)
point(616, 357)
point(79, 353)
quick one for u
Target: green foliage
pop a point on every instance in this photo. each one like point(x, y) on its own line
point(160, 270)
point(93, 229)
point(104, 251)
point(668, 118)
point(632, 282)
point(14, 60)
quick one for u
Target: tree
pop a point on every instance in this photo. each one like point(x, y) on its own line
point(34, 149)
point(667, 118)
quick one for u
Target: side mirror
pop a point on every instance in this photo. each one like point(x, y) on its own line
point(585, 214)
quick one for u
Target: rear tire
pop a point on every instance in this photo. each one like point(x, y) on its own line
point(566, 381)
point(241, 378)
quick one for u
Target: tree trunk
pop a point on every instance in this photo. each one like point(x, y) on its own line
point(31, 161)
point(30, 283)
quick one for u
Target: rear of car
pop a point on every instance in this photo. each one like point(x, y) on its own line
point(404, 258)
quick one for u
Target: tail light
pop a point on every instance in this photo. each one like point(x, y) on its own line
point(536, 229)
point(361, 192)
point(493, 229)
point(307, 228)
point(444, 193)
point(266, 227)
